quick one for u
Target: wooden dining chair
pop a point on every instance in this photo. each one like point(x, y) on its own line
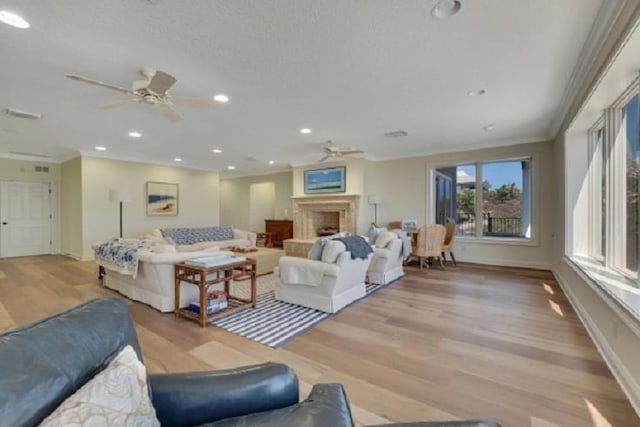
point(449, 237)
point(429, 244)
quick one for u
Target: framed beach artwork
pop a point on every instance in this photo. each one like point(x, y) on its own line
point(330, 180)
point(162, 198)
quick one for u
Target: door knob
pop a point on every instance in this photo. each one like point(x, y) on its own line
point(4, 223)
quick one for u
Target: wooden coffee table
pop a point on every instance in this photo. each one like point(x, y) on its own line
point(203, 277)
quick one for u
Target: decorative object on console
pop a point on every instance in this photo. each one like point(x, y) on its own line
point(374, 200)
point(330, 180)
point(409, 224)
point(162, 199)
point(120, 196)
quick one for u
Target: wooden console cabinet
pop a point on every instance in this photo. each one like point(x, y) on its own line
point(282, 229)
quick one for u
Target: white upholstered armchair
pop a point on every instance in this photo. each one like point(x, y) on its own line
point(386, 264)
point(328, 285)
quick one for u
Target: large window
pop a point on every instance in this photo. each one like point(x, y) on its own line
point(501, 209)
point(614, 190)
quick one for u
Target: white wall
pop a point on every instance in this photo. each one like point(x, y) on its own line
point(198, 199)
point(71, 207)
point(235, 197)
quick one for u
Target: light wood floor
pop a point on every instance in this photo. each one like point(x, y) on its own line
point(469, 342)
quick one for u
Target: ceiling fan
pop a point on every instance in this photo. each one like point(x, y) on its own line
point(331, 151)
point(153, 90)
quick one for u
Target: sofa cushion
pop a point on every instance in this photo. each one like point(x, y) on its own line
point(332, 249)
point(118, 395)
point(191, 235)
point(163, 249)
point(384, 238)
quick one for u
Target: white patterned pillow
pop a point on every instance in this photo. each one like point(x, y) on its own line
point(117, 396)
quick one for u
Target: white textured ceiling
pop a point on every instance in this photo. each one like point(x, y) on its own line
point(349, 69)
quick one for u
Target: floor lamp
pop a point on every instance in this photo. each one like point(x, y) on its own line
point(374, 200)
point(120, 196)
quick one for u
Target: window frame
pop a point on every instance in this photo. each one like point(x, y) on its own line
point(533, 158)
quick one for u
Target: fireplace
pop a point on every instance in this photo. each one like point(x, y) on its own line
point(315, 215)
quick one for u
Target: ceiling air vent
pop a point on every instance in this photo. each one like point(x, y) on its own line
point(396, 134)
point(44, 169)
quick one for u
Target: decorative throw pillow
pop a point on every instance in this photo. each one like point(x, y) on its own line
point(315, 253)
point(332, 249)
point(373, 232)
point(384, 238)
point(117, 396)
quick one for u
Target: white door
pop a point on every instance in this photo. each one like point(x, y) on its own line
point(262, 200)
point(25, 218)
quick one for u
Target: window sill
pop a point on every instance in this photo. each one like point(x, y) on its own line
point(623, 290)
point(515, 241)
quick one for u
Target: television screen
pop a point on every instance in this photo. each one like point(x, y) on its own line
point(331, 180)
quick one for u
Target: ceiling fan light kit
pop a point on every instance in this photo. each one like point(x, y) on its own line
point(154, 91)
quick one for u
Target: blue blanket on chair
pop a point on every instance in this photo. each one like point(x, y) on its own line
point(358, 247)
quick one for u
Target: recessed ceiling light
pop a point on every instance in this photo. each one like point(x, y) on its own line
point(13, 19)
point(221, 98)
point(305, 130)
point(271, 162)
point(134, 134)
point(216, 151)
point(446, 8)
point(100, 148)
point(177, 159)
point(231, 168)
point(478, 92)
point(488, 128)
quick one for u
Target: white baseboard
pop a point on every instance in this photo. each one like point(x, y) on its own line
point(629, 385)
point(78, 257)
point(504, 262)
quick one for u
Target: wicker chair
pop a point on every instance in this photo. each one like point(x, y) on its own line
point(449, 237)
point(429, 244)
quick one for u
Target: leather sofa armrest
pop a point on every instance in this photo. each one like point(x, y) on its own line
point(194, 398)
point(468, 423)
point(326, 405)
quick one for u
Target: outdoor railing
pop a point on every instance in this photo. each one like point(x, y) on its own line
point(491, 226)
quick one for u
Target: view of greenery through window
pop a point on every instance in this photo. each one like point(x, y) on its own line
point(505, 198)
point(631, 119)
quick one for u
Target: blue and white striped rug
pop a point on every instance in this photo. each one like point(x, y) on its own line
point(274, 323)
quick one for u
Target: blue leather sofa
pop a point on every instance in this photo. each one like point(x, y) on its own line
point(42, 364)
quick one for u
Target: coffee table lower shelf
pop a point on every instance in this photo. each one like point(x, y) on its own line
point(235, 305)
point(203, 277)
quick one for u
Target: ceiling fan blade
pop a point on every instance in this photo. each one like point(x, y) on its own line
point(168, 112)
point(99, 83)
point(194, 102)
point(161, 82)
point(120, 104)
point(343, 152)
point(324, 158)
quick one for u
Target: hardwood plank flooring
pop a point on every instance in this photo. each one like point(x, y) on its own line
point(469, 342)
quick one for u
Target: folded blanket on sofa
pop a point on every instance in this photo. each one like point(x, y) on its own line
point(191, 235)
point(302, 272)
point(357, 245)
point(121, 255)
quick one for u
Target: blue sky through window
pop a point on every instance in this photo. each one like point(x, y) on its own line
point(498, 173)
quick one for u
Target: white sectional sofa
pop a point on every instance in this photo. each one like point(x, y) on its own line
point(154, 282)
point(386, 265)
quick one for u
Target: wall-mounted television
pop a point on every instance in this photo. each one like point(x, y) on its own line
point(330, 180)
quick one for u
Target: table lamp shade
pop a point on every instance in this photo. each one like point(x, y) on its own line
point(119, 195)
